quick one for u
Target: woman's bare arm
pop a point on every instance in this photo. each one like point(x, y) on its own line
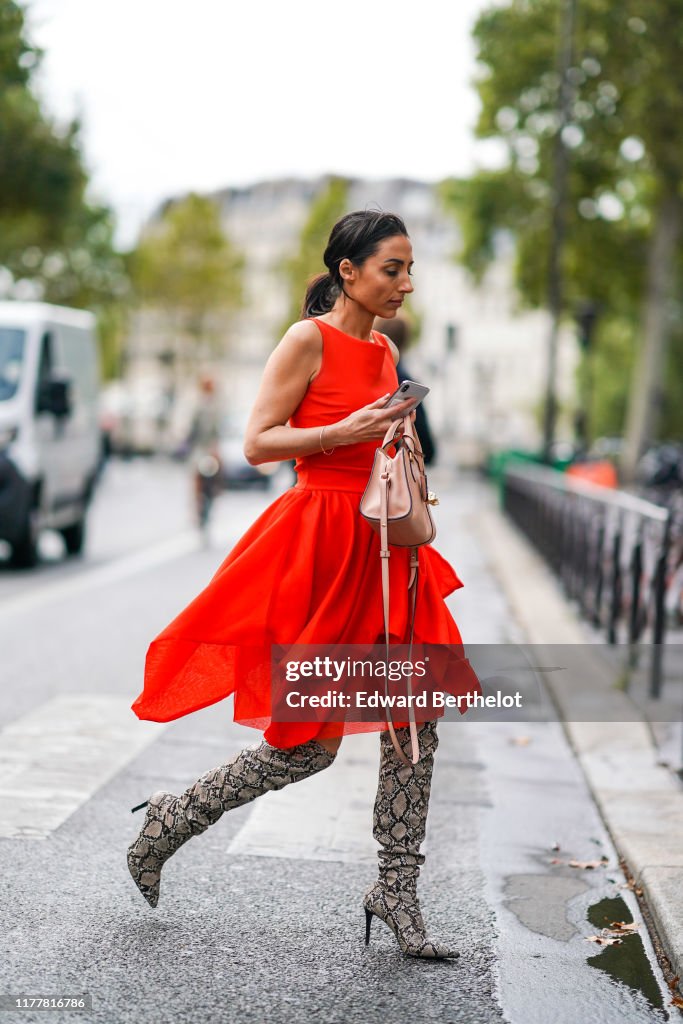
point(286, 377)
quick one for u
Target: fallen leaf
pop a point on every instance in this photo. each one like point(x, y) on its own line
point(604, 940)
point(586, 865)
point(624, 926)
point(677, 1001)
point(673, 984)
point(520, 741)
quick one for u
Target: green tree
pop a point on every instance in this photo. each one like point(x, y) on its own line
point(186, 267)
point(623, 210)
point(50, 234)
point(42, 179)
point(327, 207)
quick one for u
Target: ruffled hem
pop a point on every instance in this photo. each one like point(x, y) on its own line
point(306, 572)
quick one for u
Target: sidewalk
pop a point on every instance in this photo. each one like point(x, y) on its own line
point(640, 800)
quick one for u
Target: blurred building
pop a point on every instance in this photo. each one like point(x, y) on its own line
point(483, 358)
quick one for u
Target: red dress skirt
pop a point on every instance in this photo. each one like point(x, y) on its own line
point(306, 572)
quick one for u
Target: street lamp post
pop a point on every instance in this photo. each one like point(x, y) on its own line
point(586, 317)
point(559, 220)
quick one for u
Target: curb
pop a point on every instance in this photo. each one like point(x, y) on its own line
point(640, 801)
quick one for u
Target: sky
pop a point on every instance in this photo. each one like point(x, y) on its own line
point(177, 95)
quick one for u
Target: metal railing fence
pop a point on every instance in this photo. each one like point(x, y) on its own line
point(613, 552)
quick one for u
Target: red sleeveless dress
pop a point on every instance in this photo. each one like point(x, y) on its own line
point(306, 572)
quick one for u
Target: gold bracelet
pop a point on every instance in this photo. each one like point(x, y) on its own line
point(322, 446)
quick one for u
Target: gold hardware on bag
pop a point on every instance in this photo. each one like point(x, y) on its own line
point(432, 498)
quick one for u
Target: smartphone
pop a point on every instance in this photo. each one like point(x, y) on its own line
point(408, 389)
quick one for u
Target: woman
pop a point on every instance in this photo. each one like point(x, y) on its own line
point(308, 571)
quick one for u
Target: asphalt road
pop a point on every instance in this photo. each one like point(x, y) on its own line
point(278, 936)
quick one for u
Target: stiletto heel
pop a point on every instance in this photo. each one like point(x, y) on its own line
point(399, 826)
point(139, 807)
point(368, 922)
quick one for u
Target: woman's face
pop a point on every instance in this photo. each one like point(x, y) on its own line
point(383, 281)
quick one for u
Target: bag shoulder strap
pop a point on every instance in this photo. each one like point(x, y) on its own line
point(385, 555)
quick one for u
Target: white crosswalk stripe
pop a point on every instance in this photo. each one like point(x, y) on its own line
point(53, 759)
point(327, 817)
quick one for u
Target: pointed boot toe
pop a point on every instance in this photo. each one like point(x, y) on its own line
point(171, 820)
point(144, 856)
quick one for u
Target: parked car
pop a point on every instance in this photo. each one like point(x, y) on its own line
point(134, 416)
point(661, 467)
point(50, 440)
point(236, 472)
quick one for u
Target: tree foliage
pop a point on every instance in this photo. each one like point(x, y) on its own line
point(41, 173)
point(625, 166)
point(327, 207)
point(51, 235)
point(185, 264)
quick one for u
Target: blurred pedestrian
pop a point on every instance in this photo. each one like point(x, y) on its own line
point(203, 440)
point(399, 331)
point(308, 571)
point(205, 429)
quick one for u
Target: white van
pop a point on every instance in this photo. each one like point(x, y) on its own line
point(50, 442)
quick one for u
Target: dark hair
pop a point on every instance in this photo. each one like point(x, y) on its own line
point(355, 237)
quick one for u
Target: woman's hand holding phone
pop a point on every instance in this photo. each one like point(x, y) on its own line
point(409, 389)
point(368, 423)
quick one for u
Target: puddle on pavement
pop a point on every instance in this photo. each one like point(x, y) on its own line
point(628, 961)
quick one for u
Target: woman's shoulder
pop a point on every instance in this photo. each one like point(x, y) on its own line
point(304, 334)
point(301, 340)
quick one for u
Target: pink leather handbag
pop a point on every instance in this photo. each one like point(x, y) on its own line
point(396, 502)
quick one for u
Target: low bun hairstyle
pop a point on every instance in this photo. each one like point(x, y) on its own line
point(355, 237)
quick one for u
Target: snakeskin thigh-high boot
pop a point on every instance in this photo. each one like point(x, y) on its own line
point(399, 826)
point(172, 820)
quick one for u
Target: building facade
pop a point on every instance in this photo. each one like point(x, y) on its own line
point(483, 358)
